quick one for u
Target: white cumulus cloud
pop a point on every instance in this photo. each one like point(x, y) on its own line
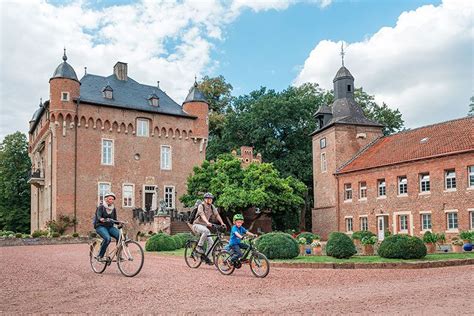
point(423, 65)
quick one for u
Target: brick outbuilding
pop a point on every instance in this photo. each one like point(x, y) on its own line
point(411, 182)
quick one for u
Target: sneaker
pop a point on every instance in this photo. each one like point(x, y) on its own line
point(100, 259)
point(200, 250)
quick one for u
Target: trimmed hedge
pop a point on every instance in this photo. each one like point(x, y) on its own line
point(161, 242)
point(308, 236)
point(277, 245)
point(340, 246)
point(402, 247)
point(181, 239)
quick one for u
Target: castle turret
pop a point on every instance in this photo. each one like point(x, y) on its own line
point(64, 88)
point(196, 104)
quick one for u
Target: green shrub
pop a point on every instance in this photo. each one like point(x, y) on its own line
point(92, 234)
point(308, 236)
point(466, 235)
point(359, 235)
point(369, 240)
point(75, 235)
point(55, 234)
point(340, 246)
point(161, 242)
point(182, 238)
point(61, 224)
point(429, 237)
point(278, 245)
point(39, 233)
point(402, 247)
point(25, 236)
point(18, 235)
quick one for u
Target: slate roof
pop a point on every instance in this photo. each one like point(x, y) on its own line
point(127, 94)
point(343, 72)
point(195, 94)
point(440, 139)
point(64, 70)
point(37, 115)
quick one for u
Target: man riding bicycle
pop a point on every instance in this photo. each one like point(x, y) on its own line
point(103, 225)
point(200, 225)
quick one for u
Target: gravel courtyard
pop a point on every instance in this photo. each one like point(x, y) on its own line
point(58, 279)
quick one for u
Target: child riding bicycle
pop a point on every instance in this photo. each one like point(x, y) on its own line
point(236, 234)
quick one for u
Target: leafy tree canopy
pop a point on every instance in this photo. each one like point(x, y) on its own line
point(14, 189)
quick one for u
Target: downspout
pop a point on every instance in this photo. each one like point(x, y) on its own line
point(75, 163)
point(37, 208)
point(51, 177)
point(337, 203)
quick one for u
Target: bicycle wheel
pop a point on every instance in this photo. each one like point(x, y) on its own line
point(223, 262)
point(130, 258)
point(259, 265)
point(192, 258)
point(97, 266)
point(218, 248)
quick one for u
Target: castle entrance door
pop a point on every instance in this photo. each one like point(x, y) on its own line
point(382, 226)
point(149, 199)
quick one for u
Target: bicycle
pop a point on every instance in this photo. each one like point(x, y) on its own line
point(128, 254)
point(259, 264)
point(194, 259)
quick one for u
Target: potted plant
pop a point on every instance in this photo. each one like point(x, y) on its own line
point(368, 245)
point(466, 236)
point(430, 240)
point(302, 242)
point(456, 244)
point(357, 237)
point(316, 246)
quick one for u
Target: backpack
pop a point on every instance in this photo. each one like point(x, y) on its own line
point(192, 216)
point(95, 220)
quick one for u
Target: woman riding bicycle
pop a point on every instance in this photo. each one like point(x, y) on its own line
point(104, 226)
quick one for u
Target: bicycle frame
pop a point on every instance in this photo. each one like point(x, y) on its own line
point(250, 249)
point(219, 238)
point(120, 245)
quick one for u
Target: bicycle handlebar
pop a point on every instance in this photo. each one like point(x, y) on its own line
point(110, 220)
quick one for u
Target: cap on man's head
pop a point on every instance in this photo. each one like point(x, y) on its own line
point(110, 194)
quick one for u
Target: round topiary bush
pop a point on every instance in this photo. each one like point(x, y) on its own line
point(18, 235)
point(340, 246)
point(278, 246)
point(181, 239)
point(75, 235)
point(160, 242)
point(402, 247)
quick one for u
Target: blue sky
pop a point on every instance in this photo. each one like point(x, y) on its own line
point(416, 56)
point(267, 48)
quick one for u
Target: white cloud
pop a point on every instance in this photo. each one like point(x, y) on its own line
point(34, 32)
point(423, 65)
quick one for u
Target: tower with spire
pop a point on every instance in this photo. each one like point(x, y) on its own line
point(196, 105)
point(342, 131)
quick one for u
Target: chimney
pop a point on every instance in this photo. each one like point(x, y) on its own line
point(120, 71)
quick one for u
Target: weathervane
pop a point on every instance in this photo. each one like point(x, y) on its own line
point(342, 53)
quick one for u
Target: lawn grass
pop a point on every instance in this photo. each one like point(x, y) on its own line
point(376, 259)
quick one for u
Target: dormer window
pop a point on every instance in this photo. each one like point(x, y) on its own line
point(153, 100)
point(107, 92)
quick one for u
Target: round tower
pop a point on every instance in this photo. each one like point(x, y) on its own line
point(64, 88)
point(196, 104)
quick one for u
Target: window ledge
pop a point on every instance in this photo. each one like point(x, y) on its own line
point(452, 231)
point(347, 201)
point(402, 195)
point(363, 200)
point(470, 189)
point(381, 197)
point(425, 193)
point(405, 232)
point(450, 190)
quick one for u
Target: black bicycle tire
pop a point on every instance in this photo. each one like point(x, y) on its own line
point(92, 258)
point(188, 250)
point(262, 256)
point(232, 268)
point(222, 242)
point(141, 264)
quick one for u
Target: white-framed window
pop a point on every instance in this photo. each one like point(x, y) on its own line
point(382, 190)
point(471, 219)
point(322, 143)
point(349, 224)
point(402, 185)
point(364, 223)
point(362, 190)
point(324, 164)
point(452, 220)
point(169, 196)
point(102, 189)
point(143, 127)
point(426, 221)
point(64, 96)
point(347, 192)
point(128, 195)
point(470, 177)
point(403, 223)
point(166, 157)
point(425, 182)
point(450, 179)
point(107, 152)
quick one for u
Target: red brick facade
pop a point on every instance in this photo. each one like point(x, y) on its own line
point(67, 144)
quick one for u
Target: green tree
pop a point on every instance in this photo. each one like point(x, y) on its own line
point(14, 189)
point(237, 189)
